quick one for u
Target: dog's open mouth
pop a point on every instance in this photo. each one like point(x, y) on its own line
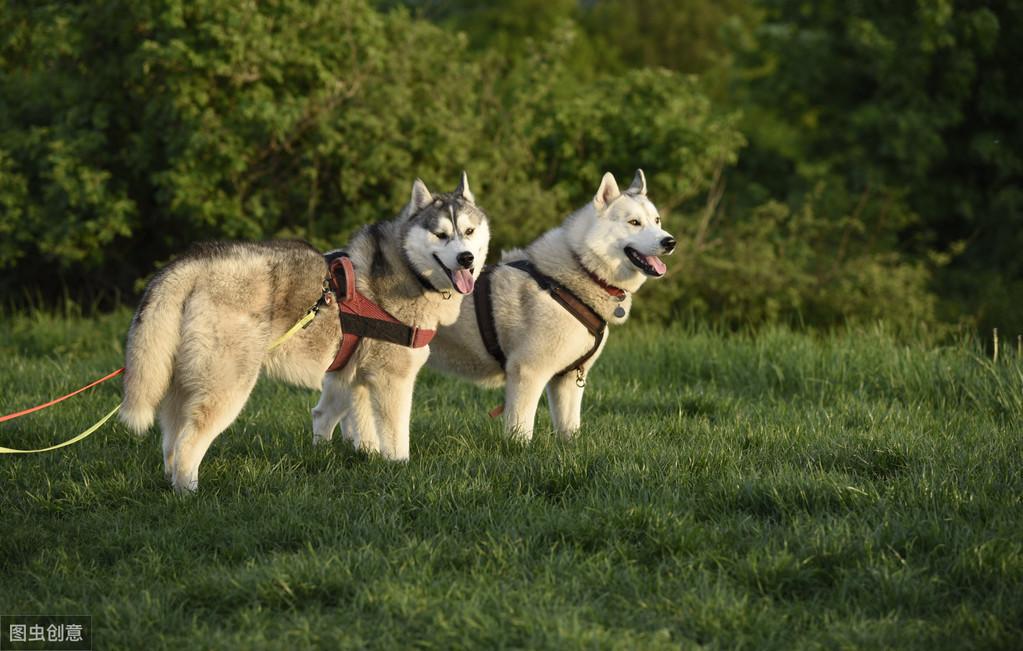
point(461, 279)
point(651, 265)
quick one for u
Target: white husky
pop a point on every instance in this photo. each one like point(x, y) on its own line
point(547, 306)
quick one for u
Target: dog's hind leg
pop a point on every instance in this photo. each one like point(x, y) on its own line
point(171, 420)
point(565, 399)
point(208, 415)
point(522, 394)
point(215, 375)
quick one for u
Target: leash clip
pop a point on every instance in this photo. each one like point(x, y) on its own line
point(313, 310)
point(324, 299)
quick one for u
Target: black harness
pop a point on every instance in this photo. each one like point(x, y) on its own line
point(575, 306)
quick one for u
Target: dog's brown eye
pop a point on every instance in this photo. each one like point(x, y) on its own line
point(469, 231)
point(634, 222)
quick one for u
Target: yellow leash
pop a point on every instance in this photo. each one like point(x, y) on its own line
point(76, 439)
point(301, 323)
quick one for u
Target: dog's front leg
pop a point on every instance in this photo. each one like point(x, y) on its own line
point(360, 424)
point(393, 406)
point(334, 402)
point(350, 429)
point(522, 394)
point(565, 398)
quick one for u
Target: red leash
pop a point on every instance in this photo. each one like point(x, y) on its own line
point(61, 399)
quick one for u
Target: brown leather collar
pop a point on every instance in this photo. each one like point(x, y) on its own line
point(612, 291)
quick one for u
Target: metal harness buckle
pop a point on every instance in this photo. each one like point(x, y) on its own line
point(580, 377)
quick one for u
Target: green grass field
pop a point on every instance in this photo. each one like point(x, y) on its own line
point(779, 491)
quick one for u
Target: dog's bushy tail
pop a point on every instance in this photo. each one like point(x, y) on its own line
point(153, 341)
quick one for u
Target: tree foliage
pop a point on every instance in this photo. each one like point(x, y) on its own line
point(179, 121)
point(907, 113)
point(156, 124)
point(824, 161)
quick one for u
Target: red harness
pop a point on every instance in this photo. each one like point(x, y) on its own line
point(361, 317)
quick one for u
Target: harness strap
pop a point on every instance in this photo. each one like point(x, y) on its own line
point(577, 365)
point(574, 305)
point(483, 301)
point(392, 331)
point(361, 317)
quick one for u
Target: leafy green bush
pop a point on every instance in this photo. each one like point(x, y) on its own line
point(129, 130)
point(909, 105)
point(193, 120)
point(793, 267)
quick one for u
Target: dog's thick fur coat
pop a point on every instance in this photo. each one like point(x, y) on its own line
point(200, 336)
point(616, 237)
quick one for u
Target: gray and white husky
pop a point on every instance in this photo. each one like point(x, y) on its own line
point(601, 254)
point(201, 334)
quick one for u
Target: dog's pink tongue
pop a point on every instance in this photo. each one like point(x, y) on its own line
point(656, 264)
point(464, 282)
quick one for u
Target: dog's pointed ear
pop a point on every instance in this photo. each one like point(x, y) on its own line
point(463, 189)
point(607, 192)
point(638, 184)
point(421, 196)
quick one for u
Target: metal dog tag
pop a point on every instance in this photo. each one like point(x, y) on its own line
point(619, 311)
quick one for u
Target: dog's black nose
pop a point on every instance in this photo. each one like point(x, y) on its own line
point(465, 259)
point(668, 244)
